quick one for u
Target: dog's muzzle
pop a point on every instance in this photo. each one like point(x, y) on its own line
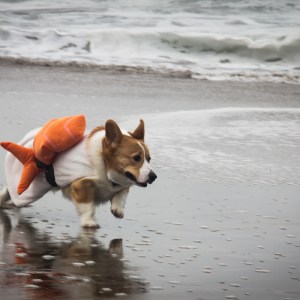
point(151, 178)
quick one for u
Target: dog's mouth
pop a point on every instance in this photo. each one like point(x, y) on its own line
point(141, 184)
point(151, 178)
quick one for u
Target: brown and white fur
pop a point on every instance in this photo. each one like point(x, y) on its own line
point(101, 168)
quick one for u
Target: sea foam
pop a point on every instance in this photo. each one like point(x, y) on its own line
point(233, 41)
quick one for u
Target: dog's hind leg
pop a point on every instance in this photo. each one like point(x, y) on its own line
point(82, 193)
point(5, 201)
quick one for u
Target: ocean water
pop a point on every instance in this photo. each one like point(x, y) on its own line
point(214, 39)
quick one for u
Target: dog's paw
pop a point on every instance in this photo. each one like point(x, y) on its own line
point(117, 212)
point(90, 225)
point(7, 205)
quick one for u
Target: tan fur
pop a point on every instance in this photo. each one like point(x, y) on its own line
point(147, 152)
point(121, 158)
point(119, 150)
point(139, 132)
point(83, 190)
point(95, 130)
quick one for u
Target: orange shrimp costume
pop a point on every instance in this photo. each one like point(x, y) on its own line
point(54, 137)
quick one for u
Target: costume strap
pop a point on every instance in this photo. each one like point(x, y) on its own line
point(49, 172)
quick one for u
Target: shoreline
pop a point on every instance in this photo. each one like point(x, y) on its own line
point(107, 94)
point(116, 69)
point(253, 76)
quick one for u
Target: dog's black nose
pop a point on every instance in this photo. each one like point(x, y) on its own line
point(152, 177)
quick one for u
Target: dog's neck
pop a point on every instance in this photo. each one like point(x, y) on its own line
point(114, 184)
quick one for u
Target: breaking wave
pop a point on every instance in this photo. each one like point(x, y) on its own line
point(201, 54)
point(117, 41)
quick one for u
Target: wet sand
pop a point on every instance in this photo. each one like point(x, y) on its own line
point(221, 221)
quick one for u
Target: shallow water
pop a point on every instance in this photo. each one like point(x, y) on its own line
point(182, 240)
point(255, 145)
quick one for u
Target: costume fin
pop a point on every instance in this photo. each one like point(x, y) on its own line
point(23, 154)
point(27, 158)
point(30, 171)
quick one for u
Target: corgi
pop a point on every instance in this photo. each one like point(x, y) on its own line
point(100, 168)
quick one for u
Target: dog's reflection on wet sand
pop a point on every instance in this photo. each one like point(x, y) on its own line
point(80, 268)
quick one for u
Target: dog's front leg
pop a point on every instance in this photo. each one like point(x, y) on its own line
point(118, 203)
point(83, 192)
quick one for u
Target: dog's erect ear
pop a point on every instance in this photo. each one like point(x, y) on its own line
point(139, 133)
point(113, 133)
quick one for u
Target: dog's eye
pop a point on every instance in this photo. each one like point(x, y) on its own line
point(137, 158)
point(148, 159)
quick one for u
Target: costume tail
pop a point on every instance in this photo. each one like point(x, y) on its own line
point(27, 158)
point(56, 136)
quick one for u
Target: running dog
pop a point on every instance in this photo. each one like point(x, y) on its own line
point(101, 167)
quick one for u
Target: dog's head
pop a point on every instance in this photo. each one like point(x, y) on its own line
point(126, 156)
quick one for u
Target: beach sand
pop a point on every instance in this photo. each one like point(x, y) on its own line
point(220, 222)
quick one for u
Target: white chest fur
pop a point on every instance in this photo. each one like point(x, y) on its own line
point(85, 161)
